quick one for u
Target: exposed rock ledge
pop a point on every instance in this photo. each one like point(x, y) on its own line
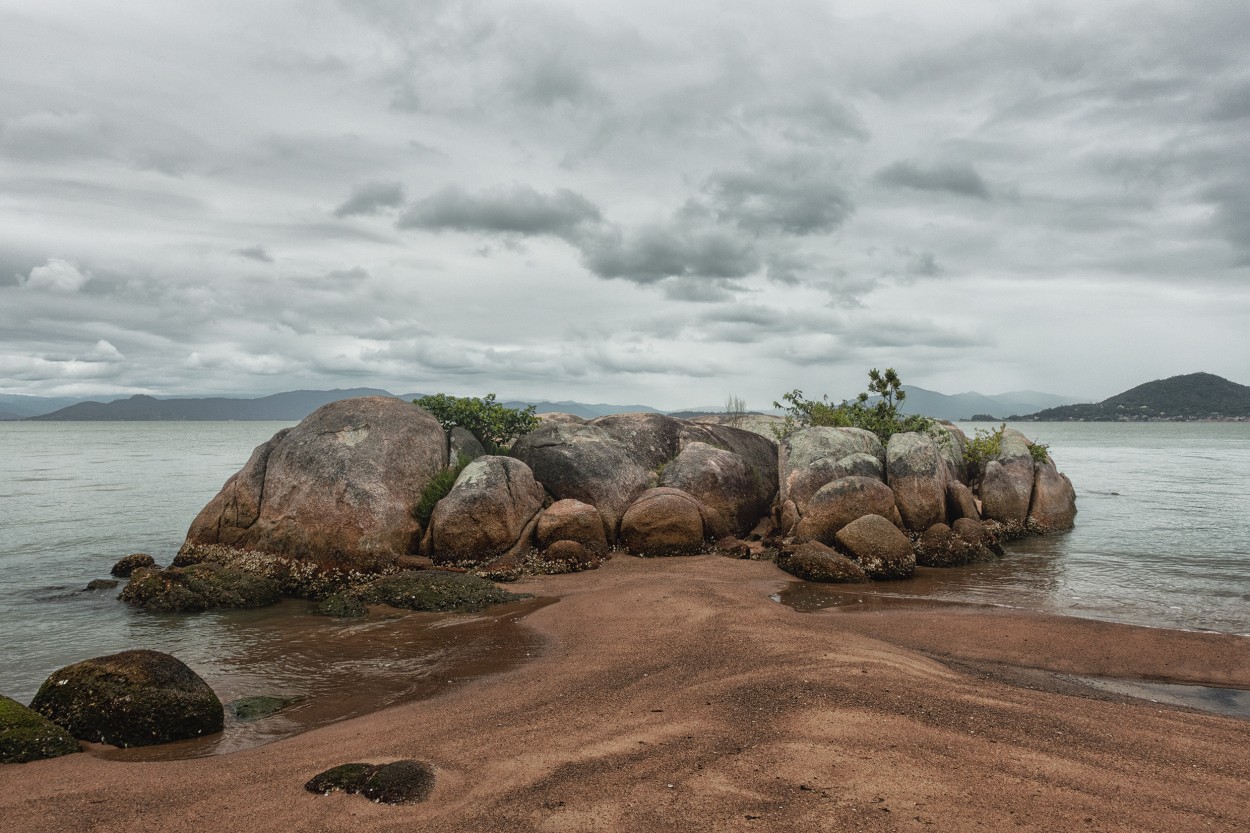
point(336, 494)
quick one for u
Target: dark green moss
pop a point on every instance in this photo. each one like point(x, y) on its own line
point(26, 735)
point(340, 605)
point(198, 587)
point(434, 590)
point(401, 782)
point(134, 698)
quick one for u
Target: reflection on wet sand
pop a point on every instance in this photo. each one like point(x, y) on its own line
point(339, 668)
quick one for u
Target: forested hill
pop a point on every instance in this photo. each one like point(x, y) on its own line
point(1192, 396)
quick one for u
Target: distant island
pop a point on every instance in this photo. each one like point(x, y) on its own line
point(1194, 396)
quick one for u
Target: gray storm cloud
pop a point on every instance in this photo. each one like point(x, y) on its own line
point(649, 202)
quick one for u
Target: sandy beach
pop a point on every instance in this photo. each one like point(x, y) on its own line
point(674, 694)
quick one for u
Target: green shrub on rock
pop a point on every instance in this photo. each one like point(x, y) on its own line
point(494, 425)
point(26, 735)
point(882, 417)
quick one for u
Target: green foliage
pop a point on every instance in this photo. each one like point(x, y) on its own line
point(437, 489)
point(881, 416)
point(983, 446)
point(1040, 452)
point(493, 424)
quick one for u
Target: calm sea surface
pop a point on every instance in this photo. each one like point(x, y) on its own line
point(1162, 539)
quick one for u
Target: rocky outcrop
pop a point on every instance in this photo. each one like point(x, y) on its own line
point(841, 502)
point(801, 484)
point(433, 590)
point(917, 474)
point(134, 698)
point(584, 462)
point(1052, 507)
point(666, 521)
point(339, 488)
point(571, 520)
point(484, 515)
point(26, 735)
point(878, 546)
point(813, 561)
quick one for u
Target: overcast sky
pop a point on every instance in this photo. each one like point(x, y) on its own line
point(630, 202)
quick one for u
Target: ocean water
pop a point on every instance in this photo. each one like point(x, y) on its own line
point(75, 497)
point(1162, 539)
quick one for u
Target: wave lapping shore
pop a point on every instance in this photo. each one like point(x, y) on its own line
point(673, 694)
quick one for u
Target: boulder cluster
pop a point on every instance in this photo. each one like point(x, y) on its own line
point(339, 490)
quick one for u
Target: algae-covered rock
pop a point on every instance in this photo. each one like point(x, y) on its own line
point(128, 564)
point(198, 587)
point(26, 735)
point(434, 590)
point(813, 561)
point(134, 698)
point(399, 782)
point(340, 606)
point(102, 584)
point(248, 709)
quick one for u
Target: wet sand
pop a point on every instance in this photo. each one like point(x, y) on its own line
point(674, 694)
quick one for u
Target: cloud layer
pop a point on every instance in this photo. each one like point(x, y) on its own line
point(661, 203)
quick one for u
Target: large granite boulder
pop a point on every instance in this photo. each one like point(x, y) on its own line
point(952, 443)
point(585, 463)
point(26, 735)
point(134, 698)
point(462, 444)
point(960, 502)
point(493, 501)
point(338, 489)
point(651, 439)
point(841, 502)
point(802, 483)
point(813, 561)
point(666, 521)
point(807, 446)
point(1007, 485)
point(1053, 505)
point(721, 481)
point(571, 520)
point(917, 473)
point(878, 547)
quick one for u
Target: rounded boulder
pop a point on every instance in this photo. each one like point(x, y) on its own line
point(839, 503)
point(486, 512)
point(878, 547)
point(134, 698)
point(572, 520)
point(338, 489)
point(664, 521)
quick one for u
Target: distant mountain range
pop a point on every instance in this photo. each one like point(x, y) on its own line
point(969, 405)
point(1188, 397)
point(1196, 396)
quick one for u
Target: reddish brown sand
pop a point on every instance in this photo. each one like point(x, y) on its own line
point(673, 695)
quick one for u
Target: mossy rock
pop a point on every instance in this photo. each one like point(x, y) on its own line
point(134, 698)
point(340, 606)
point(102, 584)
point(400, 782)
point(434, 590)
point(248, 709)
point(26, 735)
point(198, 587)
